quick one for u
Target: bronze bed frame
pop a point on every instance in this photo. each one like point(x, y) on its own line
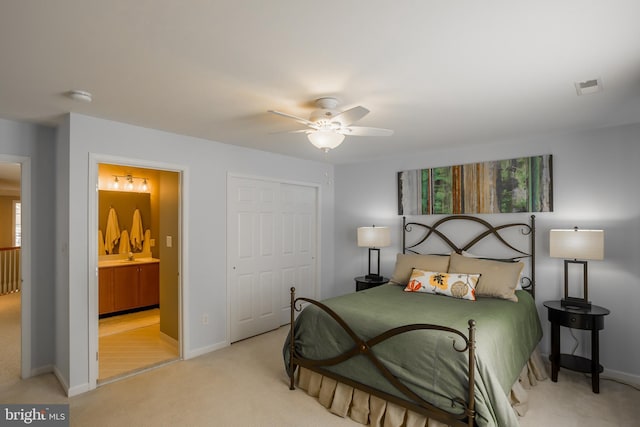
point(414, 402)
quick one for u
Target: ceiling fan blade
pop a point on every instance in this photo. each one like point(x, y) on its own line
point(365, 131)
point(350, 116)
point(291, 131)
point(289, 116)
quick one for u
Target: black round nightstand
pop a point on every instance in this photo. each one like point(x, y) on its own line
point(577, 318)
point(363, 283)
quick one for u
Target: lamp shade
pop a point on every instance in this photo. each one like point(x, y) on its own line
point(374, 237)
point(576, 244)
point(325, 139)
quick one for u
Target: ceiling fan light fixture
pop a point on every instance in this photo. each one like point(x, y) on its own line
point(325, 139)
point(326, 127)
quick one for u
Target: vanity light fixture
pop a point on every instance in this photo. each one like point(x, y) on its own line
point(131, 183)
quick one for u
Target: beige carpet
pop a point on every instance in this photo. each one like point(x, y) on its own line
point(10, 338)
point(245, 385)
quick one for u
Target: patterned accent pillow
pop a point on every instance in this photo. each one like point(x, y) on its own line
point(457, 285)
point(405, 263)
point(499, 279)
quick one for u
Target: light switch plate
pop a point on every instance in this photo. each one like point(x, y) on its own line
point(169, 241)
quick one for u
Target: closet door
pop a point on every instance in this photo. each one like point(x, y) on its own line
point(271, 245)
point(254, 278)
point(298, 211)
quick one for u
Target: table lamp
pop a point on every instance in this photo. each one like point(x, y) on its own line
point(374, 238)
point(576, 247)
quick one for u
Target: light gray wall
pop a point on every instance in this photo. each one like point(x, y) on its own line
point(207, 164)
point(595, 176)
point(37, 144)
point(62, 208)
point(595, 179)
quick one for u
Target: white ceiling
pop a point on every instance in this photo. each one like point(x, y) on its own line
point(437, 72)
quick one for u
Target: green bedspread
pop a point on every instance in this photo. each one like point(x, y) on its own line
point(506, 335)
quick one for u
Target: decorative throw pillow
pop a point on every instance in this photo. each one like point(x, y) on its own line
point(457, 285)
point(472, 255)
point(405, 263)
point(498, 279)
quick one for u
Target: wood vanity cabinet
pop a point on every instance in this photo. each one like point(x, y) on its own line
point(106, 302)
point(128, 287)
point(149, 284)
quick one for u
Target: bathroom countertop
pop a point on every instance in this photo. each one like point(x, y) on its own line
point(122, 262)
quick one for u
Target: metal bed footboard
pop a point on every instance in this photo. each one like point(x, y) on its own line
point(412, 401)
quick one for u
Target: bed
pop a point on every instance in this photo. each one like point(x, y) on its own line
point(415, 353)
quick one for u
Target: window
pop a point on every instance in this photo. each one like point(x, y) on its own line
point(17, 223)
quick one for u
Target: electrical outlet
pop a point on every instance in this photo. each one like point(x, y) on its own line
point(152, 242)
point(205, 319)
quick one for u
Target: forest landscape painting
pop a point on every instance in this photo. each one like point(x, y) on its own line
point(502, 186)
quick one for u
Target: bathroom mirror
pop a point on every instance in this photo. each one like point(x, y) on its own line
point(124, 204)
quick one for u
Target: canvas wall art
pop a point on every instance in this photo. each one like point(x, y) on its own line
point(502, 186)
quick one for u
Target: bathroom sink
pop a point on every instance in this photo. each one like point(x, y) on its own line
point(136, 260)
point(124, 261)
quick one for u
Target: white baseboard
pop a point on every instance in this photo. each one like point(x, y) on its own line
point(71, 391)
point(79, 389)
point(46, 369)
point(190, 354)
point(61, 380)
point(621, 376)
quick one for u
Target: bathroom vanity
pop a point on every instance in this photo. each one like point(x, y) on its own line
point(128, 284)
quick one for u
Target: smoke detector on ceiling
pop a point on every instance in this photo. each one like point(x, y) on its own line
point(80, 95)
point(588, 87)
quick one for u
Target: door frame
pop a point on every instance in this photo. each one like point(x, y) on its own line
point(318, 275)
point(183, 327)
point(25, 262)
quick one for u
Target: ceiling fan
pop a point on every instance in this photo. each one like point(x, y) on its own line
point(327, 126)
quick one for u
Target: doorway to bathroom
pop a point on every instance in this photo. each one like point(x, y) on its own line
point(139, 286)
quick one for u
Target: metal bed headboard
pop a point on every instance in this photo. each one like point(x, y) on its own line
point(425, 232)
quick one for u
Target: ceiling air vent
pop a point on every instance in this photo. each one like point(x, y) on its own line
point(588, 86)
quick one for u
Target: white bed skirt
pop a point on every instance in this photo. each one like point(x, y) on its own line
point(344, 400)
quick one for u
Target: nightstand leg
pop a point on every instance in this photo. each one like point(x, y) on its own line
point(595, 361)
point(555, 351)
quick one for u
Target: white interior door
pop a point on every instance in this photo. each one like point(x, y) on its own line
point(298, 257)
point(271, 246)
point(253, 276)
